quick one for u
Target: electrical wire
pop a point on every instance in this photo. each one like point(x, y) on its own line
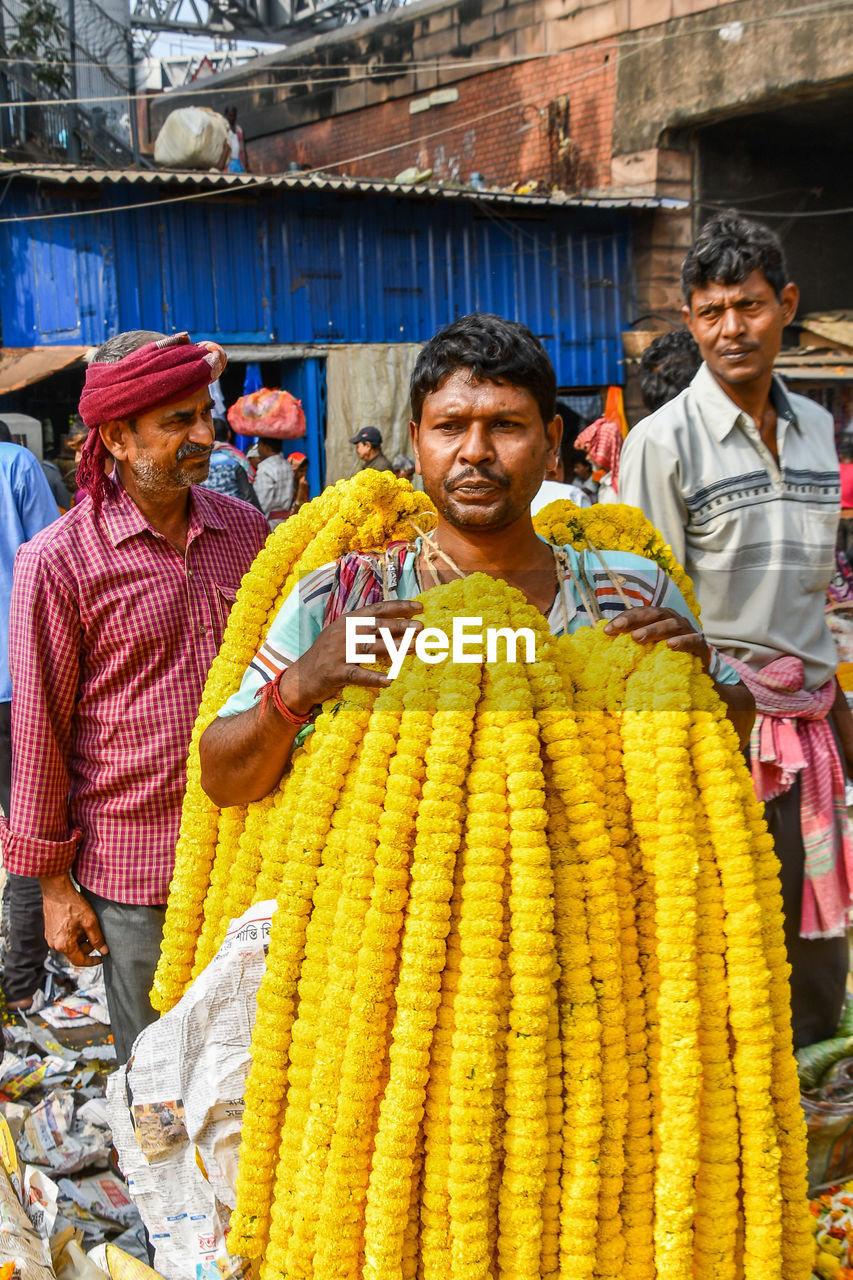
point(793, 214)
point(639, 45)
point(514, 232)
point(425, 137)
point(259, 182)
point(362, 74)
point(121, 208)
point(511, 230)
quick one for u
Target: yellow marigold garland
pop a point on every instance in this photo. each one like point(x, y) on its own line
point(655, 731)
point(797, 1237)
point(419, 996)
point(717, 1180)
point(362, 514)
point(265, 1087)
point(479, 1002)
point(612, 527)
point(311, 1029)
point(750, 1011)
point(526, 925)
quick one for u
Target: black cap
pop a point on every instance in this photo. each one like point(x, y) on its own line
point(367, 435)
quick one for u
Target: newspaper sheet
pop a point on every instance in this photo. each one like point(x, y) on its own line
point(176, 1108)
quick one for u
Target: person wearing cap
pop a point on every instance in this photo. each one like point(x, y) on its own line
point(116, 615)
point(368, 446)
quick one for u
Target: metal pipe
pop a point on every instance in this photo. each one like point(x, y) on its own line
point(5, 112)
point(71, 109)
point(132, 103)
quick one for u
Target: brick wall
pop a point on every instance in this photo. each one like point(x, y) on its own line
point(509, 125)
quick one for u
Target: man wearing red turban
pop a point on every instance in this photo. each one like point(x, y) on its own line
point(117, 612)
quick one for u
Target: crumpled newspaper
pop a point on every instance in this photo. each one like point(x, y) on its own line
point(176, 1108)
point(57, 1135)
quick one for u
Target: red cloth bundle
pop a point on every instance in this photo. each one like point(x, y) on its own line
point(276, 415)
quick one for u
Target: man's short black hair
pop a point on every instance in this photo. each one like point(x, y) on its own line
point(728, 249)
point(667, 366)
point(221, 430)
point(493, 350)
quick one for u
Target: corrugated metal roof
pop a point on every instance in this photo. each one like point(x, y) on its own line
point(306, 267)
point(76, 176)
point(835, 326)
point(21, 366)
point(811, 364)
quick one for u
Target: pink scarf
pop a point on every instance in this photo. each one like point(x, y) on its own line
point(792, 736)
point(602, 440)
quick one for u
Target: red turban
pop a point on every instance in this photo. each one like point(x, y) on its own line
point(159, 373)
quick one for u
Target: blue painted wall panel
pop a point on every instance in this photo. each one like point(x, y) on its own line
point(303, 267)
point(306, 379)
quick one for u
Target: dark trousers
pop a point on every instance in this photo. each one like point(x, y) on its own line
point(133, 935)
point(818, 965)
point(23, 967)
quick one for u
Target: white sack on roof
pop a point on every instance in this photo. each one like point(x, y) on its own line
point(192, 138)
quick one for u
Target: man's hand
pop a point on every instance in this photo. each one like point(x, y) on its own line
point(647, 625)
point(70, 924)
point(323, 670)
point(244, 756)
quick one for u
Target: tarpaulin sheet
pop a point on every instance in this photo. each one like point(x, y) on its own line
point(367, 386)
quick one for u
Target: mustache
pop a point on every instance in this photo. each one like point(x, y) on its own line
point(476, 473)
point(191, 451)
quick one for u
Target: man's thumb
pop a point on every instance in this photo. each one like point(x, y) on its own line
point(96, 938)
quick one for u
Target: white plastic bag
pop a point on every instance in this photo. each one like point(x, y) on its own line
point(192, 138)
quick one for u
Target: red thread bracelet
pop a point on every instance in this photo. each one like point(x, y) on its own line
point(271, 693)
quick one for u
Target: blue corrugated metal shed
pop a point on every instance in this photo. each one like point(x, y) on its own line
point(309, 262)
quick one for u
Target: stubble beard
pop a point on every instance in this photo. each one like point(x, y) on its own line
point(156, 481)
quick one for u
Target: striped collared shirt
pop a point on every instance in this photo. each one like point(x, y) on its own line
point(112, 632)
point(757, 538)
point(356, 581)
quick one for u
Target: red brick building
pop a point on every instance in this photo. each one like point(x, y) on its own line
point(711, 102)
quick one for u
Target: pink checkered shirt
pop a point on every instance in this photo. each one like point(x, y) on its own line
point(112, 632)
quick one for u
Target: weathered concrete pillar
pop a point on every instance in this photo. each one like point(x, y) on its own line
point(661, 241)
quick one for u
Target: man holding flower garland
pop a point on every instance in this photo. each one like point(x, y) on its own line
point(484, 432)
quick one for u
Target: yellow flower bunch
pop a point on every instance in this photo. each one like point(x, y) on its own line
point(361, 514)
point(525, 1011)
point(612, 527)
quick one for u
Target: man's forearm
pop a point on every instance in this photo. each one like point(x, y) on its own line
point(243, 757)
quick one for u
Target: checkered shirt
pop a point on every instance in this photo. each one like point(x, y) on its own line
point(112, 633)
